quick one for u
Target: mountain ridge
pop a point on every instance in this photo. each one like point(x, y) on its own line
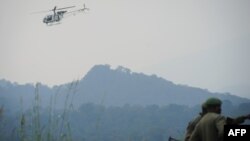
point(117, 87)
point(151, 87)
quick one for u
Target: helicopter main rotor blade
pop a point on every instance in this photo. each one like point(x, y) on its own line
point(40, 12)
point(54, 9)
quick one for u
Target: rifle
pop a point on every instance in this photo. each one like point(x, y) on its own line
point(172, 139)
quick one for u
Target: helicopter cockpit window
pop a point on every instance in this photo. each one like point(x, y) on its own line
point(49, 18)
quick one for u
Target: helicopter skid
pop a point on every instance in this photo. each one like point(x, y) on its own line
point(51, 24)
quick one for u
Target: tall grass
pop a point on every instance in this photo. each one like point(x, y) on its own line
point(1, 122)
point(57, 128)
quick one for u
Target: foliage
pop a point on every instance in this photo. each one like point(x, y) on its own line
point(96, 122)
point(45, 124)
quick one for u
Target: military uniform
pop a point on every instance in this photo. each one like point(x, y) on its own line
point(211, 125)
point(192, 123)
point(209, 128)
point(191, 127)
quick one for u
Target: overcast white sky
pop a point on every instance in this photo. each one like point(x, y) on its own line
point(197, 43)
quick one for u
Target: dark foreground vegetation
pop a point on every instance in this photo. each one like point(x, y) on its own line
point(93, 122)
point(97, 123)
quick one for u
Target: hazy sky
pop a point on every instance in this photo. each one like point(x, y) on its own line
point(200, 43)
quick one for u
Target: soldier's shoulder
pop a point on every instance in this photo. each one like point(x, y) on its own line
point(214, 116)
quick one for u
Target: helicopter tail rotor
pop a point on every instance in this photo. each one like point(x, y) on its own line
point(85, 8)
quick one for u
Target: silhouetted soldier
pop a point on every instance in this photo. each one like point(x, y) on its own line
point(192, 123)
point(211, 126)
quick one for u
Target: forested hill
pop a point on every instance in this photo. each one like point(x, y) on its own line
point(121, 86)
point(112, 87)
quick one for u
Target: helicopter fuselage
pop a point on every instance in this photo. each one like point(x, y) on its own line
point(58, 14)
point(54, 17)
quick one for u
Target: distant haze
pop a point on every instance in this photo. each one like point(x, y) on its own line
point(197, 43)
point(113, 87)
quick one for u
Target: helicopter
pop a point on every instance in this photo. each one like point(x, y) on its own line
point(58, 14)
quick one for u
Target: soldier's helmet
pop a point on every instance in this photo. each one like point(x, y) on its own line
point(212, 101)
